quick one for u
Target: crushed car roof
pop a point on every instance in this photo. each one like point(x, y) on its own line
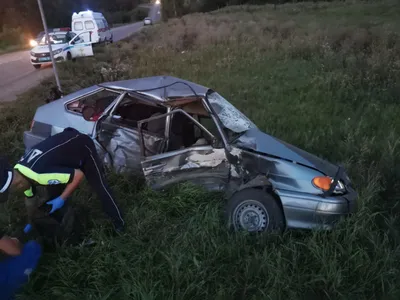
point(159, 87)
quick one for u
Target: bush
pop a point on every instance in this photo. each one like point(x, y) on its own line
point(124, 17)
point(11, 37)
point(119, 17)
point(139, 13)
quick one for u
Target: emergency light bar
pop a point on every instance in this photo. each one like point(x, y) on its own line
point(83, 14)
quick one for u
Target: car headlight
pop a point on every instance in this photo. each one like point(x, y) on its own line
point(33, 43)
point(339, 188)
point(33, 53)
point(56, 52)
point(324, 183)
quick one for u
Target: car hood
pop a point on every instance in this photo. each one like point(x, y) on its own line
point(258, 141)
point(45, 48)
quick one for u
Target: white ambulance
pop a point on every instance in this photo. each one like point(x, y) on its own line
point(94, 24)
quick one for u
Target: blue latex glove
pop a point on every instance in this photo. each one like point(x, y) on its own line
point(57, 204)
point(28, 228)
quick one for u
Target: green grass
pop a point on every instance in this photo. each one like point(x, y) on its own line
point(324, 77)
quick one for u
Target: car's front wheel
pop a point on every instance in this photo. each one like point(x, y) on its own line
point(254, 210)
point(37, 66)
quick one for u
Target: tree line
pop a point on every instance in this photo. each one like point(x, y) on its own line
point(20, 19)
point(177, 8)
point(25, 14)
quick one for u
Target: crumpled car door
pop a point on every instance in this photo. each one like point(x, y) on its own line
point(201, 165)
point(122, 146)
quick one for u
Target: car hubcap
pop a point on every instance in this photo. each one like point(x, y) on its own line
point(251, 215)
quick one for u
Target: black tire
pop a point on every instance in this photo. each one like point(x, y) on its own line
point(256, 203)
point(37, 67)
point(69, 56)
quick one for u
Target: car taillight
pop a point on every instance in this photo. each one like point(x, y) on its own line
point(32, 123)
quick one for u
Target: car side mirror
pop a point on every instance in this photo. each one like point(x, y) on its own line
point(88, 112)
point(72, 42)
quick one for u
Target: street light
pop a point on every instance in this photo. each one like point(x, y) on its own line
point(50, 48)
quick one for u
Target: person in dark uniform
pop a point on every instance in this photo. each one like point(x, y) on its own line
point(62, 159)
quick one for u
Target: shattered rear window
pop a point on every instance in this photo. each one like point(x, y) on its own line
point(229, 115)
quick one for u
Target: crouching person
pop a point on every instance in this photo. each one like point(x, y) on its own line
point(62, 159)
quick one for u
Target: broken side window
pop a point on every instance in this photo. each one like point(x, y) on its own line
point(131, 110)
point(184, 132)
point(209, 123)
point(99, 101)
point(194, 107)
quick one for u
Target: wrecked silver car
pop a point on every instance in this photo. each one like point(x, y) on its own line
point(170, 130)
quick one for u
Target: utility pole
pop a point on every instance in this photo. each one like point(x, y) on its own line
point(50, 48)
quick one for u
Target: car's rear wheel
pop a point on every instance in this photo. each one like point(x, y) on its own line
point(254, 210)
point(37, 66)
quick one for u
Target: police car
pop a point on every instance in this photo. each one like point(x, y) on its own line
point(65, 44)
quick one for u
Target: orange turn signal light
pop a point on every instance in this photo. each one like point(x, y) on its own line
point(322, 182)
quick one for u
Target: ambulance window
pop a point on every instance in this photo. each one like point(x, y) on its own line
point(99, 24)
point(89, 24)
point(78, 26)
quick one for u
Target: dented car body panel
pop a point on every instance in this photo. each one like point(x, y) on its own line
point(302, 206)
point(170, 130)
point(203, 165)
point(263, 143)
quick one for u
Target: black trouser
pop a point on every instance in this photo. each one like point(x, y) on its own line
point(93, 169)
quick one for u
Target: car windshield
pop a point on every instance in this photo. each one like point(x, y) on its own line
point(55, 38)
point(229, 115)
point(40, 36)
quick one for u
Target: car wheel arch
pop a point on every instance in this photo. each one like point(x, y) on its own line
point(260, 182)
point(268, 189)
point(256, 199)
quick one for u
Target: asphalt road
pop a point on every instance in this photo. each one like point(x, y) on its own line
point(17, 75)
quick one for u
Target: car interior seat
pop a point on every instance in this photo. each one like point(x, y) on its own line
point(183, 130)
